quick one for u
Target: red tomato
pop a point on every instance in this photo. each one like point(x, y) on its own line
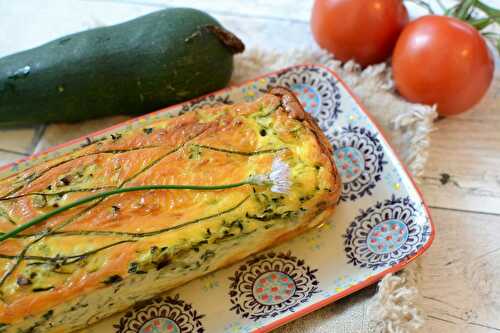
point(442, 60)
point(363, 30)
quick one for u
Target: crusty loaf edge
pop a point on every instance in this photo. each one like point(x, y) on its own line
point(143, 287)
point(295, 110)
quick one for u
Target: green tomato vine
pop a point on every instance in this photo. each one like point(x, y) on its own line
point(475, 12)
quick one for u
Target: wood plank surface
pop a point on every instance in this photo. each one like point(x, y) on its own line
point(47, 24)
point(461, 271)
point(460, 286)
point(285, 10)
point(463, 170)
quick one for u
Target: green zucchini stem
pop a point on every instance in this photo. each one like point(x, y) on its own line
point(227, 38)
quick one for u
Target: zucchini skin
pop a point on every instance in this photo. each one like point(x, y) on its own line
point(134, 67)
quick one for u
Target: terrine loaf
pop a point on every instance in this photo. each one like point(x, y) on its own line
point(248, 176)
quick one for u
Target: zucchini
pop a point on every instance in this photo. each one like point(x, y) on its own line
point(134, 67)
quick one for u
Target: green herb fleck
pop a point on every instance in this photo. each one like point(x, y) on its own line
point(194, 152)
point(66, 180)
point(112, 279)
point(207, 255)
point(48, 314)
point(36, 290)
point(162, 263)
point(39, 201)
point(134, 268)
point(116, 136)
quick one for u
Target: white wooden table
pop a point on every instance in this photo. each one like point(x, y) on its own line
point(461, 283)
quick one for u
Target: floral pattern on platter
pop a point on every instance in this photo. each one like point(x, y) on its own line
point(161, 315)
point(317, 90)
point(205, 102)
point(273, 288)
point(270, 284)
point(359, 157)
point(308, 96)
point(160, 325)
point(251, 92)
point(385, 234)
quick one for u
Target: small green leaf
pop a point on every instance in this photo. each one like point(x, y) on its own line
point(112, 279)
point(464, 9)
point(495, 13)
point(481, 23)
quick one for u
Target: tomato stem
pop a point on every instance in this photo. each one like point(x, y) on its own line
point(495, 13)
point(481, 23)
point(463, 11)
point(467, 11)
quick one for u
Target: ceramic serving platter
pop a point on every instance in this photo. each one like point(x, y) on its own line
point(380, 225)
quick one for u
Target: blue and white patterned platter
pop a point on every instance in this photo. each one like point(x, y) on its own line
point(380, 225)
